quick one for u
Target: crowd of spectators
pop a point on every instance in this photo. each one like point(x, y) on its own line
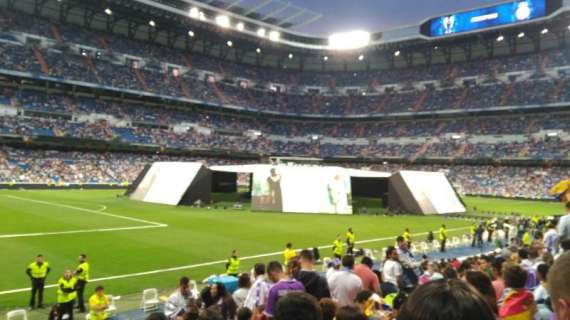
point(157, 75)
point(524, 278)
point(54, 167)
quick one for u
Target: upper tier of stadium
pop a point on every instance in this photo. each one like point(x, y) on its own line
point(519, 72)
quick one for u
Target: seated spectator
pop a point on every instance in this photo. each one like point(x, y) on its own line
point(315, 284)
point(177, 302)
point(445, 300)
point(217, 295)
point(298, 306)
point(344, 284)
point(244, 283)
point(370, 304)
point(431, 272)
point(283, 283)
point(364, 271)
point(516, 302)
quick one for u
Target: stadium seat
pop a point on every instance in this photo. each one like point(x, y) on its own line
point(112, 304)
point(19, 314)
point(149, 301)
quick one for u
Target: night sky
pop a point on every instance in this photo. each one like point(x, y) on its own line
point(377, 15)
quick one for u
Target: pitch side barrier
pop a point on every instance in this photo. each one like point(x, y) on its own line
point(67, 186)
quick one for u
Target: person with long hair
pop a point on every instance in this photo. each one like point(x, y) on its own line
point(481, 281)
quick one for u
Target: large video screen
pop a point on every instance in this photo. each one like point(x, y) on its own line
point(302, 190)
point(499, 15)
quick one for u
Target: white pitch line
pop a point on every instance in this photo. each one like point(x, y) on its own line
point(102, 208)
point(206, 264)
point(87, 210)
point(41, 234)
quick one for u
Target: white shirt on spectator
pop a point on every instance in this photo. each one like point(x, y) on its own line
point(391, 271)
point(257, 295)
point(344, 285)
point(239, 296)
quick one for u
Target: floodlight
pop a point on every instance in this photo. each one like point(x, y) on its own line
point(261, 32)
point(500, 38)
point(361, 57)
point(152, 23)
point(108, 11)
point(397, 53)
point(544, 31)
point(349, 40)
point(223, 21)
point(240, 26)
point(258, 50)
point(290, 56)
point(230, 43)
point(201, 16)
point(274, 35)
point(194, 13)
point(190, 33)
point(520, 35)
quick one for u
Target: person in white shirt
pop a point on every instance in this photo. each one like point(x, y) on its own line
point(344, 285)
point(177, 302)
point(244, 283)
point(392, 269)
point(551, 239)
point(257, 294)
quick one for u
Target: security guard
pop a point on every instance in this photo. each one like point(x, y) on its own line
point(526, 240)
point(442, 237)
point(98, 305)
point(232, 267)
point(38, 271)
point(82, 274)
point(289, 254)
point(350, 240)
point(337, 248)
point(408, 237)
point(473, 232)
point(66, 294)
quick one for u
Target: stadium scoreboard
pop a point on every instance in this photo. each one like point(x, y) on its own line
point(503, 14)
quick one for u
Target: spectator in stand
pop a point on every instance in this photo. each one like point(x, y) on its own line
point(344, 284)
point(328, 307)
point(177, 302)
point(369, 279)
point(315, 284)
point(350, 313)
point(257, 295)
point(298, 306)
point(564, 225)
point(244, 284)
point(216, 295)
point(559, 287)
point(445, 300)
point(283, 283)
point(407, 261)
point(481, 281)
point(541, 295)
point(498, 282)
point(516, 300)
point(391, 272)
point(431, 272)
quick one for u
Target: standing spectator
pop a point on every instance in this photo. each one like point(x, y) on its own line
point(391, 272)
point(298, 306)
point(257, 295)
point(516, 300)
point(82, 274)
point(38, 271)
point(446, 300)
point(315, 284)
point(344, 284)
point(283, 284)
point(66, 294)
point(551, 239)
point(541, 295)
point(564, 225)
point(406, 259)
point(244, 284)
point(499, 282)
point(369, 279)
point(560, 287)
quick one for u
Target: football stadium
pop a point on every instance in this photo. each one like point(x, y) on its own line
point(254, 159)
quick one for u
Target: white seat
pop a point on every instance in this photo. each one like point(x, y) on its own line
point(149, 301)
point(18, 314)
point(112, 310)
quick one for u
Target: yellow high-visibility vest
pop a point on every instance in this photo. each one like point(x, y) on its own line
point(442, 234)
point(338, 248)
point(38, 272)
point(288, 255)
point(350, 237)
point(84, 275)
point(233, 265)
point(62, 296)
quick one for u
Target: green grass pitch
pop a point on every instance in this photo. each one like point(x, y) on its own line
point(141, 243)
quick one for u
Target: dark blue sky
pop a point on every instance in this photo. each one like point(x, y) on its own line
point(376, 15)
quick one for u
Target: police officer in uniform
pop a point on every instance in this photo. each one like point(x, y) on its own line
point(82, 274)
point(66, 294)
point(38, 271)
point(232, 267)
